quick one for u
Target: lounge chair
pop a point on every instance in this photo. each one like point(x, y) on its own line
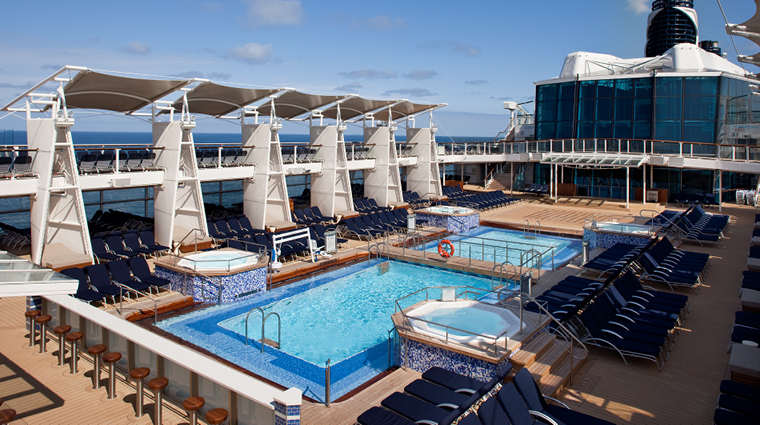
point(100, 279)
point(132, 241)
point(418, 410)
point(116, 245)
point(101, 251)
point(121, 274)
point(84, 292)
point(141, 270)
point(536, 401)
point(147, 239)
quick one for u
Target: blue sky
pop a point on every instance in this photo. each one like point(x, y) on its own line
point(470, 55)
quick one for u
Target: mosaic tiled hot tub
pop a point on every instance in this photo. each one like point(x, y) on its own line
point(453, 219)
point(240, 273)
point(604, 234)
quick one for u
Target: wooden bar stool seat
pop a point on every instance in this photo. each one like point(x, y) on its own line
point(138, 375)
point(43, 321)
point(96, 351)
point(216, 416)
point(7, 415)
point(30, 316)
point(110, 359)
point(157, 385)
point(74, 338)
point(61, 331)
point(193, 405)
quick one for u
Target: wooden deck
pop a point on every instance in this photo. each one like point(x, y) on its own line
point(685, 392)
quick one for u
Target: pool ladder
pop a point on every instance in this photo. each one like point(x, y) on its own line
point(264, 317)
point(527, 229)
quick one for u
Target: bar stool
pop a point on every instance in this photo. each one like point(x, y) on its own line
point(7, 415)
point(193, 405)
point(61, 331)
point(110, 359)
point(42, 321)
point(30, 315)
point(74, 338)
point(216, 416)
point(96, 351)
point(157, 385)
point(138, 375)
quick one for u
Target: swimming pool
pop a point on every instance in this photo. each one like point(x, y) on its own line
point(219, 261)
point(498, 245)
point(344, 316)
point(472, 317)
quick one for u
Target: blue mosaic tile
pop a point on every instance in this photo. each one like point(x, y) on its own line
point(236, 286)
point(294, 410)
point(421, 357)
point(597, 239)
point(279, 408)
point(454, 224)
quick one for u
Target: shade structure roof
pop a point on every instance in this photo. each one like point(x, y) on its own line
point(592, 160)
point(354, 107)
point(95, 90)
point(753, 23)
point(218, 100)
point(294, 103)
point(19, 277)
point(403, 110)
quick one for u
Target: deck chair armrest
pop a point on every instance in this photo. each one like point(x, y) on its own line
point(543, 416)
point(651, 288)
point(426, 422)
point(630, 310)
point(468, 391)
point(618, 324)
point(451, 406)
point(623, 316)
point(640, 298)
point(636, 304)
point(558, 402)
point(612, 333)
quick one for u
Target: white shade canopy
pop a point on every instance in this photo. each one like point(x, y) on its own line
point(591, 160)
point(95, 90)
point(403, 110)
point(218, 100)
point(293, 104)
point(354, 107)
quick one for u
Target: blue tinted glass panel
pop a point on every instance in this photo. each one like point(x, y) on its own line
point(699, 108)
point(668, 108)
point(604, 108)
point(642, 130)
point(667, 130)
point(546, 111)
point(564, 130)
point(605, 88)
point(699, 131)
point(623, 130)
point(567, 91)
point(642, 109)
point(545, 130)
point(585, 109)
point(624, 88)
point(672, 86)
point(586, 130)
point(603, 129)
point(700, 86)
point(643, 87)
point(565, 112)
point(624, 108)
point(588, 89)
point(546, 92)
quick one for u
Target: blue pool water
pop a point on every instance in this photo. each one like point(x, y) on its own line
point(343, 316)
point(493, 244)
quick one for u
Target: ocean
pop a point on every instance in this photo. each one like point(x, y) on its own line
point(15, 211)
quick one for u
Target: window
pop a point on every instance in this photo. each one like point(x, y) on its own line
point(667, 130)
point(643, 87)
point(669, 86)
point(624, 88)
point(588, 89)
point(700, 86)
point(668, 108)
point(699, 108)
point(623, 130)
point(604, 108)
point(546, 92)
point(642, 130)
point(623, 108)
point(699, 131)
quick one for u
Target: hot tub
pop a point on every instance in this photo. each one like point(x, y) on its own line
point(454, 219)
point(480, 321)
point(215, 276)
point(604, 234)
point(219, 261)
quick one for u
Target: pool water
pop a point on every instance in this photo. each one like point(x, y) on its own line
point(472, 317)
point(218, 260)
point(344, 316)
point(499, 245)
point(625, 228)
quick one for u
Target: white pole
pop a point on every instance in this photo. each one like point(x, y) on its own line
point(511, 178)
point(644, 174)
point(720, 191)
point(551, 179)
point(628, 186)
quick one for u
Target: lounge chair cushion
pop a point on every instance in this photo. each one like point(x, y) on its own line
point(380, 416)
point(745, 360)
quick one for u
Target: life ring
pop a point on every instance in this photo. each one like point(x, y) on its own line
point(442, 251)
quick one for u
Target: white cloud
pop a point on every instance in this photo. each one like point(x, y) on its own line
point(453, 47)
point(639, 6)
point(421, 74)
point(253, 53)
point(476, 82)
point(384, 23)
point(370, 73)
point(350, 87)
point(138, 48)
point(270, 13)
point(411, 91)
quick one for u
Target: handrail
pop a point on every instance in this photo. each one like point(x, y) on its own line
point(262, 326)
point(130, 289)
point(196, 237)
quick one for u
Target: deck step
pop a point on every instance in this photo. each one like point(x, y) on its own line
point(549, 360)
point(553, 383)
point(530, 351)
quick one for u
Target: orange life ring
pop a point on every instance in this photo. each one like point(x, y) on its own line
point(443, 252)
